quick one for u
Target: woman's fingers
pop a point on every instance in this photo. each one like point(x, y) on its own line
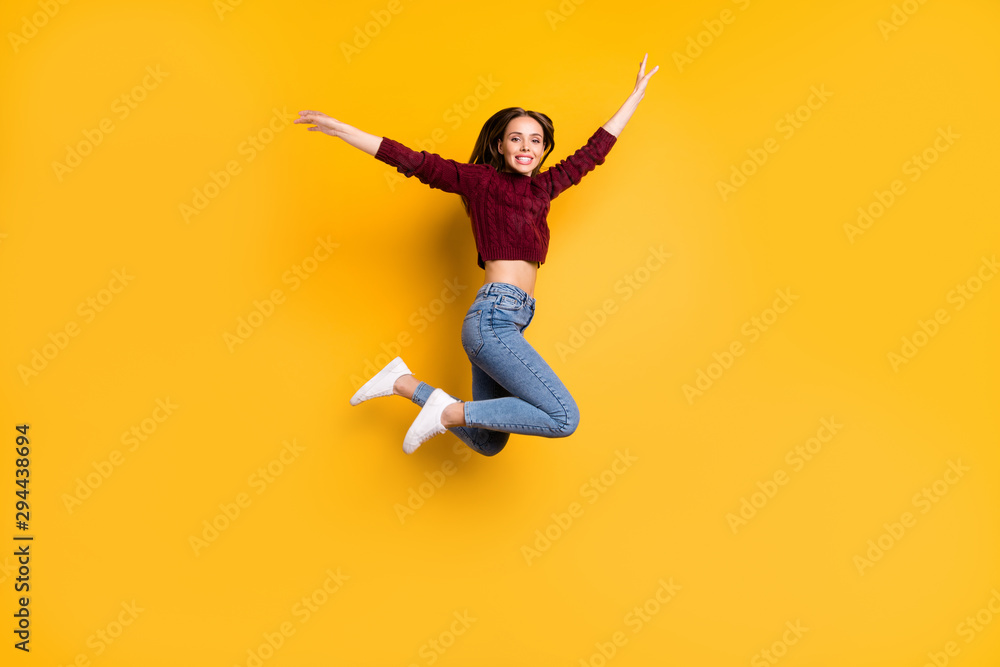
point(316, 118)
point(311, 117)
point(642, 67)
point(643, 76)
point(320, 122)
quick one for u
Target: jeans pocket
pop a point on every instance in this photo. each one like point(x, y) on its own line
point(508, 302)
point(472, 333)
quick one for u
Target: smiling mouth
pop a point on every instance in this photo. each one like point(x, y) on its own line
point(523, 159)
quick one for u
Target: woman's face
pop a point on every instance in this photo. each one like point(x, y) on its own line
point(522, 144)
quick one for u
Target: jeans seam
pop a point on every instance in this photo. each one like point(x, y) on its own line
point(498, 426)
point(478, 317)
point(565, 411)
point(501, 427)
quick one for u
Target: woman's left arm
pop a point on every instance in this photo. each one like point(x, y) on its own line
point(622, 116)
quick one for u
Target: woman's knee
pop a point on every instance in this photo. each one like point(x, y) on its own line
point(570, 418)
point(494, 444)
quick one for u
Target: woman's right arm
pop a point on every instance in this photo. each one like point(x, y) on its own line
point(369, 143)
point(429, 168)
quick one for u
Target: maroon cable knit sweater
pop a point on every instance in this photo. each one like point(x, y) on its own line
point(508, 210)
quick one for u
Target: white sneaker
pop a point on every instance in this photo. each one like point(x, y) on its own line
point(428, 421)
point(381, 383)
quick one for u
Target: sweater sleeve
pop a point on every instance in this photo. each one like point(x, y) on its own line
point(568, 172)
point(431, 168)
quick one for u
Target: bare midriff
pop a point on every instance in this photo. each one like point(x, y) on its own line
point(517, 272)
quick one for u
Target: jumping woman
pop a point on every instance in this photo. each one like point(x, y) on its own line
point(513, 389)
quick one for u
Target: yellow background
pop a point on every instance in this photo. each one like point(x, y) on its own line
point(336, 504)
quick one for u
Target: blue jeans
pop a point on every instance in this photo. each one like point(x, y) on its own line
point(513, 389)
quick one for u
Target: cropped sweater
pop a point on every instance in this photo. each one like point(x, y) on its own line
point(508, 210)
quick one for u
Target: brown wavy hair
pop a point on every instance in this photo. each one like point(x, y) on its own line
point(485, 151)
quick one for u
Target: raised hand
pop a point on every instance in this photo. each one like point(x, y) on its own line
point(323, 123)
point(643, 78)
point(622, 116)
point(369, 143)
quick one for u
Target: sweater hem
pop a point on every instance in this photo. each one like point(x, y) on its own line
point(514, 254)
